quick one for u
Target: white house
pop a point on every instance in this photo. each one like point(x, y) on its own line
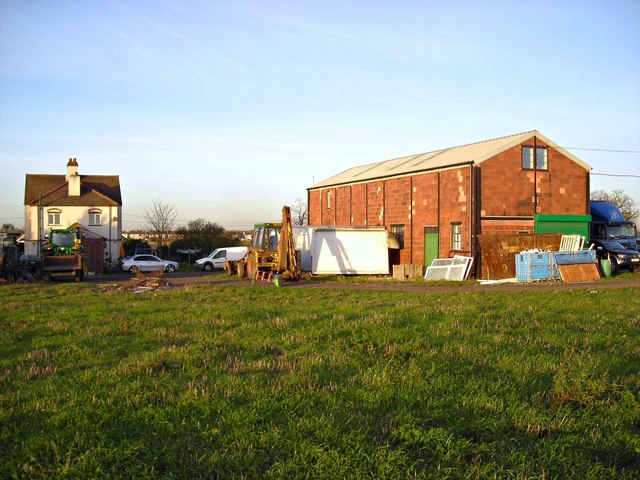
point(90, 202)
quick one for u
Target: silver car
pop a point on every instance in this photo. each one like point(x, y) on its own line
point(148, 263)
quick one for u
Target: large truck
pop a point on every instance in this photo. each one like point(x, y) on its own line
point(608, 223)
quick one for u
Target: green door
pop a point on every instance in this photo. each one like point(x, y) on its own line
point(431, 240)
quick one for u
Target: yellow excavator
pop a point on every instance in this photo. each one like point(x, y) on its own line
point(272, 252)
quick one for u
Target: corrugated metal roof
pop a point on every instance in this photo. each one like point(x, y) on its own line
point(473, 153)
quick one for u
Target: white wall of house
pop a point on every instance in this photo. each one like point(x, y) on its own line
point(36, 225)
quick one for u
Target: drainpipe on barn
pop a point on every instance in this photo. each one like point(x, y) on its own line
point(535, 178)
point(411, 219)
point(471, 209)
point(440, 231)
point(366, 204)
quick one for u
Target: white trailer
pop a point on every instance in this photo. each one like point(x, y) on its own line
point(343, 250)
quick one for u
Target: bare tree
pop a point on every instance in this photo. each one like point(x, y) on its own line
point(621, 200)
point(299, 212)
point(160, 217)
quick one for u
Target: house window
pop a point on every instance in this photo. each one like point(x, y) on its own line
point(456, 236)
point(398, 231)
point(540, 161)
point(329, 199)
point(53, 217)
point(95, 217)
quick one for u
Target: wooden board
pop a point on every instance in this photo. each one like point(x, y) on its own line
point(498, 252)
point(583, 272)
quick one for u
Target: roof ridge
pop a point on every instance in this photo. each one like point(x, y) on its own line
point(460, 146)
point(473, 153)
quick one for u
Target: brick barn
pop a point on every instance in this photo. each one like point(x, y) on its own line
point(436, 203)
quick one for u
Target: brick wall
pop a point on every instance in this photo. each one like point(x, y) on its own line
point(358, 205)
point(425, 211)
point(375, 204)
point(507, 227)
point(562, 190)
point(455, 206)
point(510, 191)
point(397, 210)
point(314, 206)
point(507, 190)
point(437, 199)
point(342, 207)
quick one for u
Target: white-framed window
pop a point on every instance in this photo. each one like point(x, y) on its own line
point(540, 161)
point(456, 236)
point(95, 217)
point(53, 217)
point(398, 231)
point(329, 199)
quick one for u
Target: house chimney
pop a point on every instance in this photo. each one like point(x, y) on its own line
point(72, 177)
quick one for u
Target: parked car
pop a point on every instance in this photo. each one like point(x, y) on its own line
point(148, 263)
point(217, 258)
point(620, 257)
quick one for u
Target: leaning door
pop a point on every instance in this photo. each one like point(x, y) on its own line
point(431, 240)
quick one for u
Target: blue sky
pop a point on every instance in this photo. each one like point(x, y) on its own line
point(228, 110)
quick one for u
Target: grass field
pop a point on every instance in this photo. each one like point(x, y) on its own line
point(239, 382)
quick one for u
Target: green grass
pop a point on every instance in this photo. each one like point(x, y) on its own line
point(239, 382)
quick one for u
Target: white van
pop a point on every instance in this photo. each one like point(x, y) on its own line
point(217, 258)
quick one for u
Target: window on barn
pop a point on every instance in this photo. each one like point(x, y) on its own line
point(456, 236)
point(53, 217)
point(95, 217)
point(528, 161)
point(329, 199)
point(398, 231)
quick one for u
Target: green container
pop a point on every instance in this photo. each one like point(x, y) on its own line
point(566, 224)
point(605, 266)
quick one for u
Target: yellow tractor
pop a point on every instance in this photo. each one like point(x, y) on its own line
point(272, 252)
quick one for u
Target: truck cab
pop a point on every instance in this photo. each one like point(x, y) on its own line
point(63, 241)
point(608, 223)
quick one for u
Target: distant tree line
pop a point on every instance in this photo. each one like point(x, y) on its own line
point(198, 234)
point(205, 235)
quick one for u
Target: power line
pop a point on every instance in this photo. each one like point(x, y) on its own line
point(615, 175)
point(601, 150)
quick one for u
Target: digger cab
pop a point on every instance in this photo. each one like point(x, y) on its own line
point(266, 237)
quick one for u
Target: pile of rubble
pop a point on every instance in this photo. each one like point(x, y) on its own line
point(141, 283)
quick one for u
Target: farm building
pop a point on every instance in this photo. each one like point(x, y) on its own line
point(437, 203)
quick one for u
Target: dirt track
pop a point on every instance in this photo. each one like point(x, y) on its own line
point(195, 278)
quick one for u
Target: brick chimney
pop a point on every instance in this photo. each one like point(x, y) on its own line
point(72, 177)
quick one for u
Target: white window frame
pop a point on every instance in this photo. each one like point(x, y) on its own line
point(537, 162)
point(456, 236)
point(95, 217)
point(54, 217)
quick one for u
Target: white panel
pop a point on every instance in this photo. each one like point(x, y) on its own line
point(350, 251)
point(456, 268)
